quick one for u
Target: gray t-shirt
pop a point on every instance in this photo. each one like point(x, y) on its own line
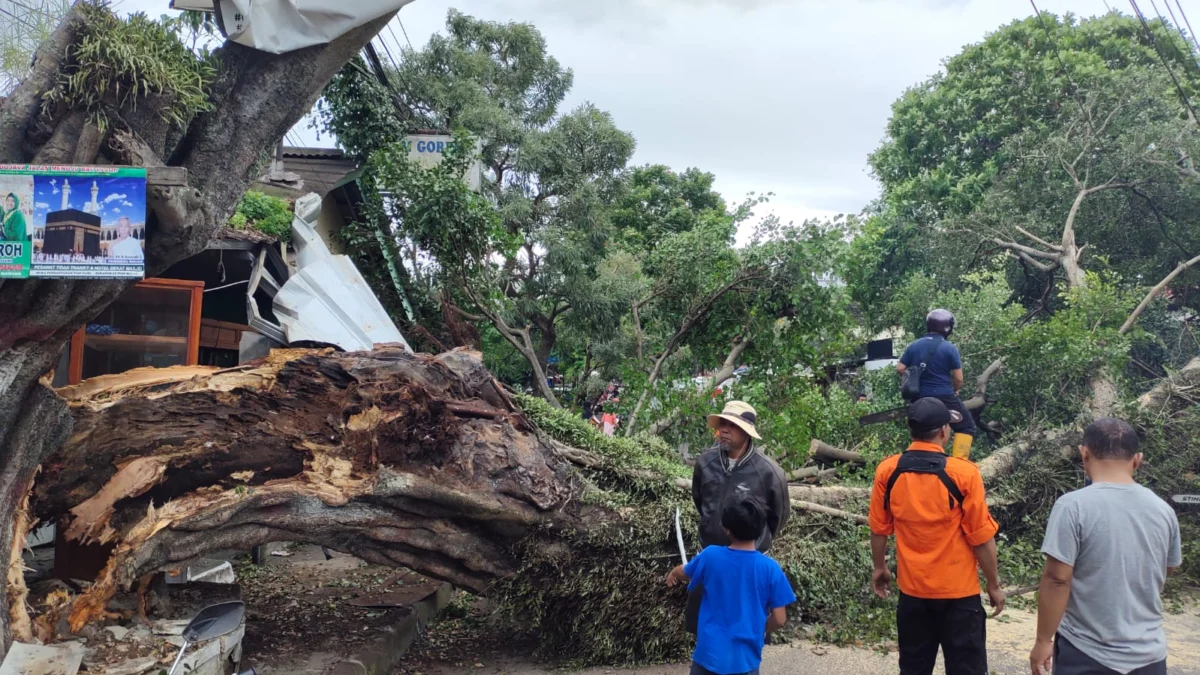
point(1120, 539)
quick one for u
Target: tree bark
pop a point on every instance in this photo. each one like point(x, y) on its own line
point(522, 341)
point(827, 454)
point(397, 458)
point(980, 398)
point(256, 98)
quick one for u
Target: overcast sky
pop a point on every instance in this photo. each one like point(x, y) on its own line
point(783, 96)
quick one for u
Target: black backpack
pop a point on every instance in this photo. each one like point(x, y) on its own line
point(910, 386)
point(923, 461)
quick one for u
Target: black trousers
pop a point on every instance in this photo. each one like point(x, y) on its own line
point(1068, 660)
point(967, 425)
point(957, 626)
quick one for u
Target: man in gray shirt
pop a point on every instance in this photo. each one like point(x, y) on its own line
point(1108, 548)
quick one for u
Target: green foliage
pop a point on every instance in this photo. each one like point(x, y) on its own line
point(1049, 364)
point(437, 210)
point(27, 23)
point(946, 136)
point(261, 212)
point(116, 61)
point(658, 202)
point(539, 238)
point(828, 563)
point(638, 452)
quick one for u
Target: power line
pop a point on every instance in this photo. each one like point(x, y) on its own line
point(387, 50)
point(1150, 36)
point(1178, 27)
point(1188, 23)
point(402, 30)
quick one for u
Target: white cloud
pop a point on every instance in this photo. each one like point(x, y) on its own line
point(115, 210)
point(55, 190)
point(126, 203)
point(41, 205)
point(113, 198)
point(784, 96)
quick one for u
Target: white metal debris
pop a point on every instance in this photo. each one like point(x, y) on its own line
point(327, 299)
point(279, 26)
point(61, 659)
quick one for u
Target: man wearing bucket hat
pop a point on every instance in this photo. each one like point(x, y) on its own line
point(735, 467)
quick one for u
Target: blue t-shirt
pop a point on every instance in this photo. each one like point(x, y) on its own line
point(740, 589)
point(941, 360)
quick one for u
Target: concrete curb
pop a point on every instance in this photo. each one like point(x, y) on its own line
point(383, 655)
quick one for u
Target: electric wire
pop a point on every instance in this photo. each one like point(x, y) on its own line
point(1154, 43)
point(1188, 24)
point(403, 30)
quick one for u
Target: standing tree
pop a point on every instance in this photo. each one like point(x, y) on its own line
point(948, 137)
point(548, 175)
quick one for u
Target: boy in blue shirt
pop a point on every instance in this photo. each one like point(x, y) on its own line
point(745, 594)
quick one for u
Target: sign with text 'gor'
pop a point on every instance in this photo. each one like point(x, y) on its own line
point(427, 150)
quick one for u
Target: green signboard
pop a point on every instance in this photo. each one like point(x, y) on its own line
point(72, 222)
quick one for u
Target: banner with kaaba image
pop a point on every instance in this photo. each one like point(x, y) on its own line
point(72, 222)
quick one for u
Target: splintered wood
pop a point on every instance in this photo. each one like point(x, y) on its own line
point(400, 459)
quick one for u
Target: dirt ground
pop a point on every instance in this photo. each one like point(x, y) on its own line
point(301, 612)
point(1009, 640)
point(301, 622)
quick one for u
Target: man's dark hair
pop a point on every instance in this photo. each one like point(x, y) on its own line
point(744, 517)
point(924, 435)
point(1109, 438)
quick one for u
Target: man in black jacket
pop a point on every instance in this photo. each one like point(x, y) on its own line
point(735, 466)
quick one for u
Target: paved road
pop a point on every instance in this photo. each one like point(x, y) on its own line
point(1009, 641)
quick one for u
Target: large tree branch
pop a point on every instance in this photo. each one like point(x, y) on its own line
point(1137, 312)
point(398, 458)
point(1038, 240)
point(694, 315)
point(980, 398)
point(520, 339)
point(1028, 250)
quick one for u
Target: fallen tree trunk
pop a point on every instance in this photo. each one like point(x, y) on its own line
point(827, 454)
point(399, 459)
point(811, 473)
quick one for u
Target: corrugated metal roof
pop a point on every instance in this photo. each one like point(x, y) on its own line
point(313, 153)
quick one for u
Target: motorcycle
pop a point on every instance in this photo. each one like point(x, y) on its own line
point(212, 622)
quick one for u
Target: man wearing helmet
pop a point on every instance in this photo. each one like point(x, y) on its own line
point(938, 364)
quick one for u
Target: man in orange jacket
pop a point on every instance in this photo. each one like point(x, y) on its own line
point(935, 506)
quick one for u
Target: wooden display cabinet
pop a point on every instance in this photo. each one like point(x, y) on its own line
point(155, 323)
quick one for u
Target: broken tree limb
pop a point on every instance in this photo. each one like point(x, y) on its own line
point(827, 454)
point(980, 398)
point(811, 472)
point(829, 511)
point(827, 496)
point(1181, 384)
point(1137, 312)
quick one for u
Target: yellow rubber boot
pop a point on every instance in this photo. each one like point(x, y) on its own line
point(962, 446)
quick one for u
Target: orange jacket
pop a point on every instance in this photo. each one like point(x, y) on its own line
point(934, 543)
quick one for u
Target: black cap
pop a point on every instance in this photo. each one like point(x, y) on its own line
point(929, 414)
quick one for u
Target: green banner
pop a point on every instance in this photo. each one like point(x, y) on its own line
point(72, 222)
